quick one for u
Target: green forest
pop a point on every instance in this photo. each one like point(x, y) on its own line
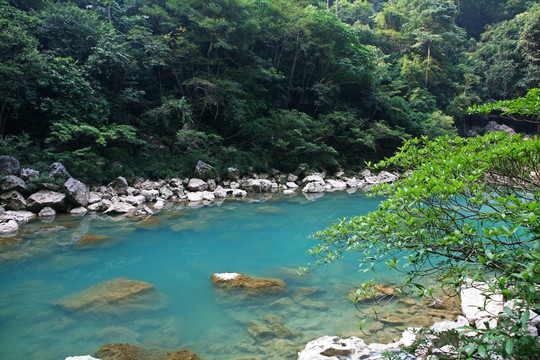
point(149, 87)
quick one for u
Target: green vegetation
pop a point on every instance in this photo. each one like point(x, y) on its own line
point(469, 209)
point(140, 87)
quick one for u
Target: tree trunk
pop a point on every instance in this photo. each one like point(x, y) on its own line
point(109, 11)
point(428, 61)
point(337, 6)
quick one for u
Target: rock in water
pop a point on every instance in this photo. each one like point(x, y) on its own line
point(182, 355)
point(246, 285)
point(76, 192)
point(113, 297)
point(122, 352)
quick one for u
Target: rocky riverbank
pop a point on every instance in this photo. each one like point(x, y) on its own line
point(24, 197)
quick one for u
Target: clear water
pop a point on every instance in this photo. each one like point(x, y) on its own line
point(177, 251)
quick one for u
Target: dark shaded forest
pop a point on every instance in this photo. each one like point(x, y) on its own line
point(148, 88)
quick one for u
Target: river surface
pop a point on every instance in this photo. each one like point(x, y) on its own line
point(177, 251)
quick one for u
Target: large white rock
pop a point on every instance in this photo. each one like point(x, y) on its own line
point(195, 196)
point(257, 185)
point(220, 192)
point(135, 200)
point(333, 185)
point(44, 198)
point(150, 195)
point(8, 227)
point(479, 305)
point(21, 217)
point(314, 187)
point(207, 195)
point(120, 208)
point(385, 177)
point(196, 184)
point(313, 178)
point(334, 348)
point(237, 193)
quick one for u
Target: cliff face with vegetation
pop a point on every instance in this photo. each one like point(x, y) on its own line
point(148, 88)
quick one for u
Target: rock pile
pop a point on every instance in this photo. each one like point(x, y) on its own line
point(144, 197)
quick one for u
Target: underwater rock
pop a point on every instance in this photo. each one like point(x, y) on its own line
point(84, 357)
point(259, 330)
point(182, 355)
point(92, 240)
point(247, 285)
point(122, 352)
point(112, 297)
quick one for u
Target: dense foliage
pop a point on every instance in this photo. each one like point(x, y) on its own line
point(469, 209)
point(140, 87)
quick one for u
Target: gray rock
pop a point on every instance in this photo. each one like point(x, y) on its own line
point(29, 175)
point(9, 165)
point(195, 196)
point(150, 195)
point(120, 208)
point(119, 185)
point(196, 184)
point(492, 126)
point(220, 192)
point(333, 185)
point(21, 217)
point(12, 182)
point(149, 185)
point(257, 185)
point(135, 200)
point(203, 170)
point(57, 170)
point(211, 184)
point(100, 206)
point(44, 198)
point(8, 227)
point(47, 213)
point(314, 187)
point(165, 192)
point(13, 200)
point(94, 197)
point(238, 193)
point(386, 177)
point(292, 178)
point(79, 211)
point(313, 178)
point(76, 192)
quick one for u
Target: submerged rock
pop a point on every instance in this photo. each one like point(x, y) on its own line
point(247, 285)
point(113, 297)
point(182, 355)
point(122, 352)
point(373, 293)
point(92, 240)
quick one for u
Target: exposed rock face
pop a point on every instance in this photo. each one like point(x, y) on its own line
point(110, 297)
point(12, 182)
point(13, 200)
point(122, 352)
point(57, 170)
point(119, 185)
point(233, 173)
point(203, 170)
point(44, 198)
point(76, 192)
point(8, 227)
point(9, 165)
point(247, 285)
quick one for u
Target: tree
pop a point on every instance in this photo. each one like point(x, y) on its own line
point(469, 209)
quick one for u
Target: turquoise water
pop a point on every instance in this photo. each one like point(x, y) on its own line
point(177, 251)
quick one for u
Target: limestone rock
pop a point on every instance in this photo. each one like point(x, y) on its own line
point(46, 198)
point(165, 192)
point(13, 200)
point(493, 126)
point(57, 170)
point(110, 297)
point(150, 195)
point(76, 192)
point(196, 184)
point(12, 182)
point(247, 285)
point(135, 200)
point(29, 175)
point(220, 192)
point(313, 178)
point(195, 196)
point(122, 352)
point(355, 183)
point(257, 185)
point(94, 197)
point(119, 185)
point(47, 213)
point(332, 185)
point(238, 193)
point(386, 177)
point(9, 165)
point(8, 227)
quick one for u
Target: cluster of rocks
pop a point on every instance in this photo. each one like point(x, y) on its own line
point(19, 204)
point(477, 310)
